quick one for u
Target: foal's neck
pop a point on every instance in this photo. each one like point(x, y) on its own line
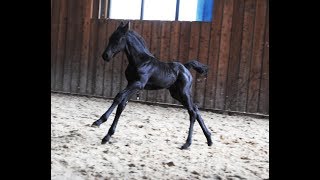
point(136, 51)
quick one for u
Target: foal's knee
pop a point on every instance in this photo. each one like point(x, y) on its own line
point(118, 99)
point(122, 105)
point(195, 107)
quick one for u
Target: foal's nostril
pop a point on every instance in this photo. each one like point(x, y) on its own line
point(105, 56)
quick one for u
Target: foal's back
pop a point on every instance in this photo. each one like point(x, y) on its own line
point(165, 74)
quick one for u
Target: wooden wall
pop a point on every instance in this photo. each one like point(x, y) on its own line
point(235, 46)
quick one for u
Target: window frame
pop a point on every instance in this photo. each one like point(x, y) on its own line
point(104, 11)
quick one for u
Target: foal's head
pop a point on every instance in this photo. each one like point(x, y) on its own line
point(117, 42)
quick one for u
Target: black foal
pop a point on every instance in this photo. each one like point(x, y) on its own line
point(144, 71)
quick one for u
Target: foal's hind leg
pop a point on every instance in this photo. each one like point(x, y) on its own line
point(205, 130)
point(184, 97)
point(193, 116)
point(185, 100)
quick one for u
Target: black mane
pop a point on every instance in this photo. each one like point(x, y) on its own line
point(136, 41)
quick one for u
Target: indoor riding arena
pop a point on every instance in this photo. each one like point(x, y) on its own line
point(152, 132)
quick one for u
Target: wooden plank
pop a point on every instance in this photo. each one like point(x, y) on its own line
point(164, 55)
point(76, 50)
point(174, 50)
point(224, 55)
point(264, 86)
point(245, 57)
point(55, 8)
point(95, 9)
point(234, 59)
point(185, 29)
point(84, 56)
point(88, 9)
point(61, 46)
point(155, 43)
point(146, 34)
point(116, 70)
point(92, 52)
point(214, 54)
point(98, 88)
point(257, 56)
point(165, 41)
point(193, 53)
point(108, 83)
point(200, 81)
point(69, 46)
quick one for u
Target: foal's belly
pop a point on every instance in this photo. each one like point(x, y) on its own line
point(157, 82)
point(152, 87)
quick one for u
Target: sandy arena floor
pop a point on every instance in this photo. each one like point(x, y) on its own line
point(147, 141)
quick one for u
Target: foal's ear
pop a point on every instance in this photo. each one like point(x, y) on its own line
point(121, 25)
point(125, 27)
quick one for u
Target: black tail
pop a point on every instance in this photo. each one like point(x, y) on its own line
point(196, 65)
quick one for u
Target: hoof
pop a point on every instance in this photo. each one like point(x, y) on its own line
point(105, 139)
point(95, 124)
point(210, 143)
point(185, 146)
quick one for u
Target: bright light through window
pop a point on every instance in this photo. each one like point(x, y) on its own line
point(159, 10)
point(125, 9)
point(188, 10)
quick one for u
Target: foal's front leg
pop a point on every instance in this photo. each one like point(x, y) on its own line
point(117, 100)
point(112, 129)
point(120, 100)
point(106, 115)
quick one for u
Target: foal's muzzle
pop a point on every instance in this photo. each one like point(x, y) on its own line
point(107, 56)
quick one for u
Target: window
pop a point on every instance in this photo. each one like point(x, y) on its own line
point(188, 10)
point(171, 10)
point(125, 9)
point(159, 10)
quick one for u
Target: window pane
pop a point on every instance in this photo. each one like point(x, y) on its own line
point(159, 10)
point(188, 10)
point(125, 9)
point(204, 10)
